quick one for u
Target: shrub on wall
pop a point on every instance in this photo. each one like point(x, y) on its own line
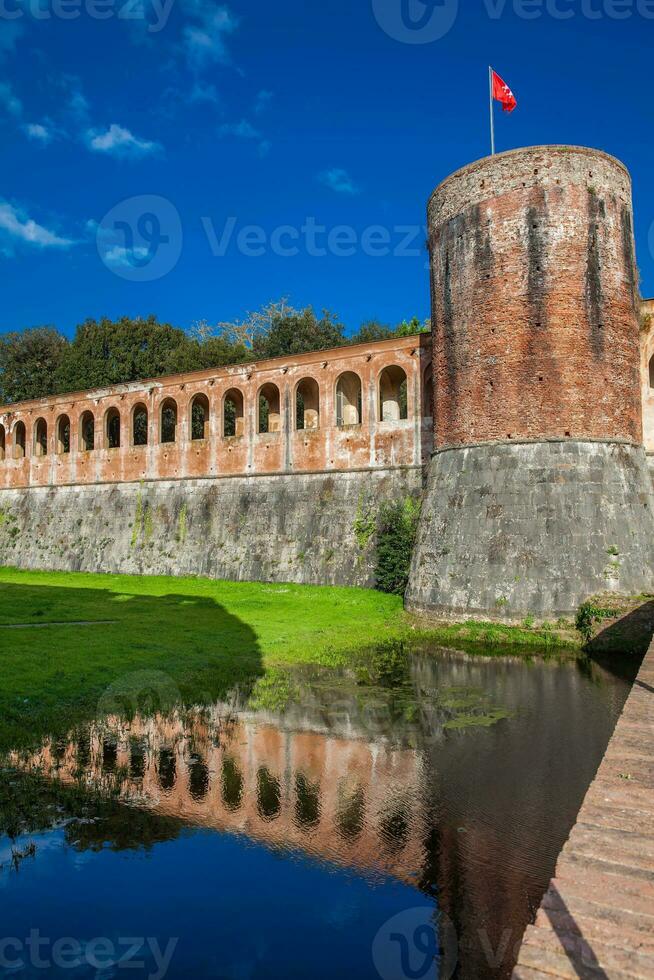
point(397, 527)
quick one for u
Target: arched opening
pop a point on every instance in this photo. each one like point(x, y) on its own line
point(109, 753)
point(393, 395)
point(232, 785)
point(198, 772)
point(233, 414)
point(270, 419)
point(651, 372)
point(41, 438)
point(87, 433)
point(269, 795)
point(428, 393)
point(348, 399)
point(307, 802)
point(137, 758)
point(2, 442)
point(112, 429)
point(20, 440)
point(63, 434)
point(167, 770)
point(139, 425)
point(394, 828)
point(307, 404)
point(351, 810)
point(200, 418)
point(168, 421)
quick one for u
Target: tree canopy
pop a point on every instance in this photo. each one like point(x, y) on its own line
point(40, 361)
point(30, 362)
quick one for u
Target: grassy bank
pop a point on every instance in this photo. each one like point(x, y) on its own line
point(88, 640)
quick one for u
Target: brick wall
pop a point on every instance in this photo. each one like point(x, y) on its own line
point(534, 285)
point(647, 371)
point(365, 429)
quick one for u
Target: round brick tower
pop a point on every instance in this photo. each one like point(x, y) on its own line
point(539, 492)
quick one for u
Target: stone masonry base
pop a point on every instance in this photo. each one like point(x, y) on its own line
point(299, 528)
point(513, 530)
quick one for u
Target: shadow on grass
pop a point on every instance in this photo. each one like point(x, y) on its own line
point(157, 652)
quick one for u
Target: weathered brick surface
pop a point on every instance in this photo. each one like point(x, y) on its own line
point(534, 290)
point(647, 376)
point(597, 917)
point(373, 443)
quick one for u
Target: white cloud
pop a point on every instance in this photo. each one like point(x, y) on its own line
point(124, 257)
point(244, 130)
point(17, 225)
point(204, 93)
point(11, 102)
point(262, 101)
point(78, 105)
point(119, 142)
point(39, 133)
point(338, 180)
point(204, 40)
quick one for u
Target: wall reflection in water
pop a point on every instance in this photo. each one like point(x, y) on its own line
point(344, 800)
point(459, 775)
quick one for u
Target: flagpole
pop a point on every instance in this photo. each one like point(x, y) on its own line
point(492, 117)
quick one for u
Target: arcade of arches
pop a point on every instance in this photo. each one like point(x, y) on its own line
point(367, 406)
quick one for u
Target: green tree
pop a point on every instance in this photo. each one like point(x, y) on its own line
point(410, 327)
point(216, 351)
point(30, 361)
point(373, 330)
point(370, 331)
point(397, 528)
point(299, 332)
point(112, 352)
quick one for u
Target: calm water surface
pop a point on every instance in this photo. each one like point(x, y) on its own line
point(399, 820)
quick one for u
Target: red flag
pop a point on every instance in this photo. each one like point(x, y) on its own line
point(503, 93)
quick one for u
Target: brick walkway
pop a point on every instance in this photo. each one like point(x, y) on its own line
point(597, 918)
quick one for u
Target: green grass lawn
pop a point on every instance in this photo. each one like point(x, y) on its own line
point(195, 638)
point(205, 636)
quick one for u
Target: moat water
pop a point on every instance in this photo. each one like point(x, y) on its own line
point(396, 821)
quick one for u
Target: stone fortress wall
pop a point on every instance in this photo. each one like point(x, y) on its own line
point(538, 495)
point(253, 472)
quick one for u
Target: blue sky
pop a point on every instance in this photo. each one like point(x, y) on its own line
point(195, 160)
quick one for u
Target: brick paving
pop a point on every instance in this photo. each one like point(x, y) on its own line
point(597, 917)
